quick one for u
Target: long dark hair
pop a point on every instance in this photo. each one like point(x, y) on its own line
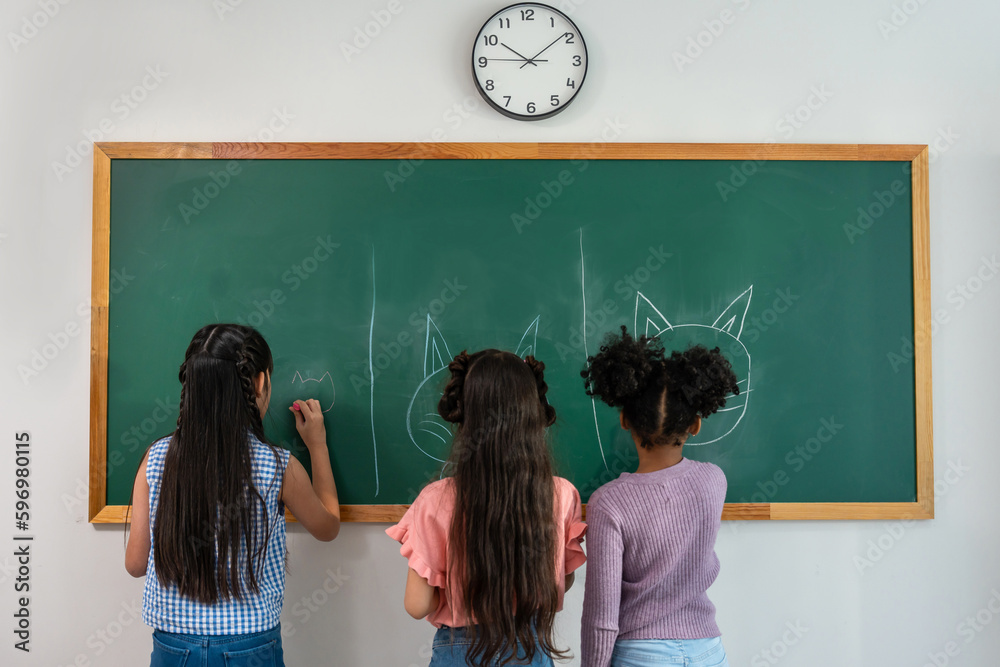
point(660, 396)
point(503, 533)
point(205, 537)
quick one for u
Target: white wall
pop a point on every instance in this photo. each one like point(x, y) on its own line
point(936, 76)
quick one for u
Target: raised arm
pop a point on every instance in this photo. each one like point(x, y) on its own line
point(314, 504)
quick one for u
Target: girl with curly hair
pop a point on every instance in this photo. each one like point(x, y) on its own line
point(652, 533)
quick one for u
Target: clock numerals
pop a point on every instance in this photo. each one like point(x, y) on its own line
point(525, 59)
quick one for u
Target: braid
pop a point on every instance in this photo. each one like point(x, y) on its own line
point(182, 375)
point(451, 405)
point(538, 369)
point(244, 367)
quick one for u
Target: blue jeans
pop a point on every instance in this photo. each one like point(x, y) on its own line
point(452, 644)
point(686, 652)
point(258, 649)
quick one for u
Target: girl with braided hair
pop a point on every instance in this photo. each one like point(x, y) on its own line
point(652, 533)
point(492, 549)
point(208, 524)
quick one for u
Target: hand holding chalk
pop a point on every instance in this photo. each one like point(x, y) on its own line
point(309, 423)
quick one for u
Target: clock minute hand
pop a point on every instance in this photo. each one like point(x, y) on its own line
point(527, 61)
point(532, 59)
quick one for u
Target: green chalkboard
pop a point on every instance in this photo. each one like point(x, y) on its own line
point(367, 275)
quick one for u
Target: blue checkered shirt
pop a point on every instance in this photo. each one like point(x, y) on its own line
point(165, 609)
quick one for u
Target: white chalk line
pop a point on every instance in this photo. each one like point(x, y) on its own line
point(586, 353)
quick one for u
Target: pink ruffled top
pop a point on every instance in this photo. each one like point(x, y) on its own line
point(423, 534)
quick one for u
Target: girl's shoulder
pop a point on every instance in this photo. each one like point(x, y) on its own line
point(707, 470)
point(158, 449)
point(429, 515)
point(567, 497)
point(599, 499)
point(436, 496)
point(564, 487)
point(267, 454)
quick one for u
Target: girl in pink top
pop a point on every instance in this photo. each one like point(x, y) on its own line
point(492, 549)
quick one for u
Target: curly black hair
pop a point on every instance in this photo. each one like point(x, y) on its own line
point(660, 396)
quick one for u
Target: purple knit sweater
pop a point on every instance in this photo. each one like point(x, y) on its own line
point(651, 557)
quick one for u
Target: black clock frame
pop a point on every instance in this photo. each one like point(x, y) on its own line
point(508, 112)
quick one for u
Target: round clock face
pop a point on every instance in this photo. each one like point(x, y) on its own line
point(529, 61)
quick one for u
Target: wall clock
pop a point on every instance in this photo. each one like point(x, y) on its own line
point(529, 61)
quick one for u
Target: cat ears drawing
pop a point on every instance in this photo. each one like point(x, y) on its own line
point(321, 388)
point(427, 430)
point(724, 333)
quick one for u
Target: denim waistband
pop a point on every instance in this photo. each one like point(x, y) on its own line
point(217, 640)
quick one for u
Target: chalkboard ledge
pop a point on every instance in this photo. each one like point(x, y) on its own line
point(731, 512)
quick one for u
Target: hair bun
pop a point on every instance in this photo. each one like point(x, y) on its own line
point(704, 377)
point(450, 407)
point(623, 369)
point(538, 369)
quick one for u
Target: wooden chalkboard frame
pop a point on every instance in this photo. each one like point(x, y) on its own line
point(917, 155)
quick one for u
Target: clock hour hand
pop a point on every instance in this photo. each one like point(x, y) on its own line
point(527, 61)
point(532, 59)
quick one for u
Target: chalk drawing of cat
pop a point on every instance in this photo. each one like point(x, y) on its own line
point(321, 388)
point(427, 430)
point(725, 333)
